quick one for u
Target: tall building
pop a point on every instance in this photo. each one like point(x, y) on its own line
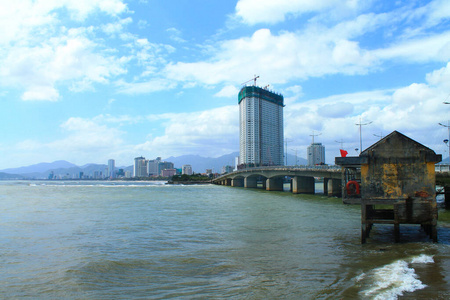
point(165, 165)
point(111, 168)
point(260, 127)
point(153, 167)
point(316, 154)
point(140, 167)
point(187, 169)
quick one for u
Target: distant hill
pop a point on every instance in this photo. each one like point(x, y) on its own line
point(63, 168)
point(41, 167)
point(6, 176)
point(200, 164)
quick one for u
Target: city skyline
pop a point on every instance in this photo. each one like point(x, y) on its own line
point(85, 80)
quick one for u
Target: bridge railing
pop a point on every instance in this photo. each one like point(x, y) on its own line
point(442, 168)
point(330, 168)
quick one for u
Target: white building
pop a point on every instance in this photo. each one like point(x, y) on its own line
point(260, 127)
point(186, 169)
point(316, 154)
point(153, 167)
point(111, 168)
point(140, 167)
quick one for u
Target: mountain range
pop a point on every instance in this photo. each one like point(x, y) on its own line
point(64, 168)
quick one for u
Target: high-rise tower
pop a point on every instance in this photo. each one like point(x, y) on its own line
point(260, 127)
point(111, 168)
point(316, 154)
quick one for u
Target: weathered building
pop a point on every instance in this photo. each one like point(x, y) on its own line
point(396, 184)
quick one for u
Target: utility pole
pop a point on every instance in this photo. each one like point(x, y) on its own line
point(286, 151)
point(360, 124)
point(342, 143)
point(448, 140)
point(296, 160)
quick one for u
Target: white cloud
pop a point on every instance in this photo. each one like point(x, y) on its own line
point(38, 54)
point(413, 110)
point(212, 132)
point(116, 27)
point(440, 78)
point(175, 35)
point(85, 140)
point(150, 86)
point(45, 93)
point(265, 11)
point(278, 58)
point(435, 47)
point(227, 91)
point(317, 49)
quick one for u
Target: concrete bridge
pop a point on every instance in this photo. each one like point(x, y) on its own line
point(302, 179)
point(273, 178)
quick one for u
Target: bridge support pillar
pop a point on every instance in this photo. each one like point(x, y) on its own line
point(334, 188)
point(237, 182)
point(274, 184)
point(447, 197)
point(325, 186)
point(227, 182)
point(264, 183)
point(250, 182)
point(303, 185)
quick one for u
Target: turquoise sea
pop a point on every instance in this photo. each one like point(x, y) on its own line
point(149, 240)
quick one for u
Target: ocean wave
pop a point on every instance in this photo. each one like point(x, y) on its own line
point(422, 259)
point(392, 280)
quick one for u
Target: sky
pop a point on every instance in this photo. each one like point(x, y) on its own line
point(91, 80)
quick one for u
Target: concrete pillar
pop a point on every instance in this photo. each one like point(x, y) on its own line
point(325, 186)
point(274, 184)
point(264, 183)
point(237, 182)
point(447, 197)
point(334, 187)
point(250, 182)
point(303, 185)
point(228, 182)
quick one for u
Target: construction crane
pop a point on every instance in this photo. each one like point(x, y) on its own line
point(253, 79)
point(313, 135)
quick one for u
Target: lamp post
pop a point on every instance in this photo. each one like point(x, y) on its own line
point(446, 141)
point(360, 124)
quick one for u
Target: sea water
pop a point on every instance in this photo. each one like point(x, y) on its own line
point(149, 240)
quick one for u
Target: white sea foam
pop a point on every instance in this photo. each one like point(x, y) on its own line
point(390, 281)
point(422, 259)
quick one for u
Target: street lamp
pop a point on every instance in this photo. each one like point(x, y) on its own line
point(360, 133)
point(446, 141)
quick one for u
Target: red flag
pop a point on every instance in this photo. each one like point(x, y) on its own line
point(343, 153)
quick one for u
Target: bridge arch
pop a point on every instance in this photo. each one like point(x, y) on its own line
point(252, 180)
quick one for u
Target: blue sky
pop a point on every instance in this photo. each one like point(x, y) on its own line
point(89, 80)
